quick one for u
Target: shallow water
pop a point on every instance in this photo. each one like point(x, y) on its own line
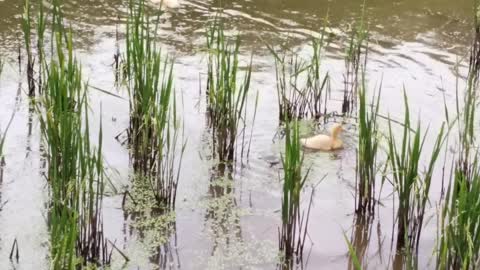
point(233, 225)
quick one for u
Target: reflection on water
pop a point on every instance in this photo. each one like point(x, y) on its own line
point(415, 43)
point(360, 240)
point(166, 256)
point(222, 217)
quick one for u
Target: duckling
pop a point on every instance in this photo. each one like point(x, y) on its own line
point(324, 142)
point(165, 3)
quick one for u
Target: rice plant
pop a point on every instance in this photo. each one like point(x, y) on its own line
point(75, 167)
point(368, 144)
point(293, 232)
point(301, 89)
point(459, 237)
point(27, 33)
point(459, 240)
point(226, 96)
point(41, 26)
point(354, 63)
point(154, 134)
point(412, 187)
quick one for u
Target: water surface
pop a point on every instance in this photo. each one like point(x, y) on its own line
point(415, 46)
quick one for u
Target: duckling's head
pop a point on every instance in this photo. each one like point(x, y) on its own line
point(336, 130)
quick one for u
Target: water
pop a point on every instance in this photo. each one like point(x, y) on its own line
point(233, 225)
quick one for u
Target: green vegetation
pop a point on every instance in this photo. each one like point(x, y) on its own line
point(354, 64)
point(459, 237)
point(410, 185)
point(75, 168)
point(154, 132)
point(354, 261)
point(41, 26)
point(297, 100)
point(226, 96)
point(293, 232)
point(27, 29)
point(459, 241)
point(368, 144)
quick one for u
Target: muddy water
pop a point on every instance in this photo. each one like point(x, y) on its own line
point(233, 224)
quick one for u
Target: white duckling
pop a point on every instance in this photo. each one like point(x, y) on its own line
point(165, 3)
point(324, 142)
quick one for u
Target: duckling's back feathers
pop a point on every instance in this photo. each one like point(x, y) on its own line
point(322, 142)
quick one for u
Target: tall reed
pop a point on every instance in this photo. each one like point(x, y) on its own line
point(41, 27)
point(155, 131)
point(294, 228)
point(226, 96)
point(411, 186)
point(459, 238)
point(27, 33)
point(354, 63)
point(75, 168)
point(302, 90)
point(368, 144)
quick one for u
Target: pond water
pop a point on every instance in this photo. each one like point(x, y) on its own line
point(415, 45)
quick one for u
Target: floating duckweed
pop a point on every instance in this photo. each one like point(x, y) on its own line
point(154, 222)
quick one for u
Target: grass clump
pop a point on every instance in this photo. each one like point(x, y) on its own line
point(27, 34)
point(354, 63)
point(75, 168)
point(410, 185)
point(293, 232)
point(226, 96)
point(297, 100)
point(368, 144)
point(459, 240)
point(154, 132)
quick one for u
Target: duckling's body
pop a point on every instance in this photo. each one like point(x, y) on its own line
point(324, 142)
point(165, 3)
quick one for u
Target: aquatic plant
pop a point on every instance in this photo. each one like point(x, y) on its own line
point(410, 185)
point(294, 228)
point(355, 61)
point(297, 100)
point(226, 96)
point(359, 241)
point(459, 241)
point(41, 26)
point(459, 230)
point(75, 167)
point(27, 29)
point(368, 144)
point(154, 133)
point(155, 224)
